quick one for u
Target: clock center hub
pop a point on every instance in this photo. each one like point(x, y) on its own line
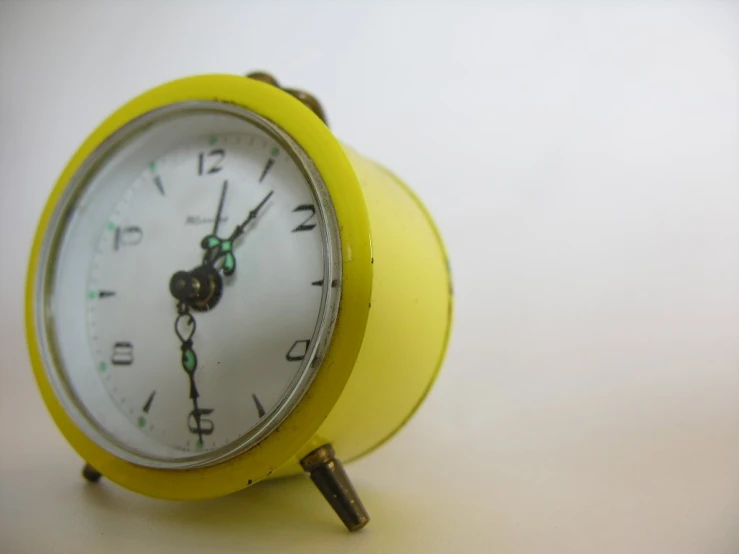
point(200, 288)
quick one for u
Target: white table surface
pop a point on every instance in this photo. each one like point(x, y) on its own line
point(582, 162)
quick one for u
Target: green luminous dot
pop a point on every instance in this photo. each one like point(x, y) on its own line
point(111, 225)
point(275, 151)
point(103, 367)
point(213, 241)
point(212, 141)
point(226, 246)
point(142, 421)
point(153, 166)
point(92, 294)
point(200, 444)
point(188, 360)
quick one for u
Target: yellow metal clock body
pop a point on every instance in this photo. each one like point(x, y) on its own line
point(394, 313)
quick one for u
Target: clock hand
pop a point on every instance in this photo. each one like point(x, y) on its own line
point(216, 248)
point(189, 359)
point(252, 216)
point(196, 412)
point(201, 289)
point(220, 208)
point(209, 253)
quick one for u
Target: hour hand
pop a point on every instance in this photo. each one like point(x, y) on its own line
point(252, 216)
point(217, 248)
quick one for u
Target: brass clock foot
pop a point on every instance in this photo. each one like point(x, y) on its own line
point(91, 474)
point(329, 476)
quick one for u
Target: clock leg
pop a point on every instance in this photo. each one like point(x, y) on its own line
point(91, 474)
point(329, 476)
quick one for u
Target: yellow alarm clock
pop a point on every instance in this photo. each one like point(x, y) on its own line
point(221, 292)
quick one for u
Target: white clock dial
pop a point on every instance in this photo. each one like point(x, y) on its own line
point(193, 285)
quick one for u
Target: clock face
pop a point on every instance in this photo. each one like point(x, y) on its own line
point(191, 278)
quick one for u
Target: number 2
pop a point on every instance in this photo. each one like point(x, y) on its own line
point(306, 225)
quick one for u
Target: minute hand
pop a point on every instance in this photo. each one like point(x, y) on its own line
point(252, 216)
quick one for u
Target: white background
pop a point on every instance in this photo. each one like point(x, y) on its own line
point(582, 162)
